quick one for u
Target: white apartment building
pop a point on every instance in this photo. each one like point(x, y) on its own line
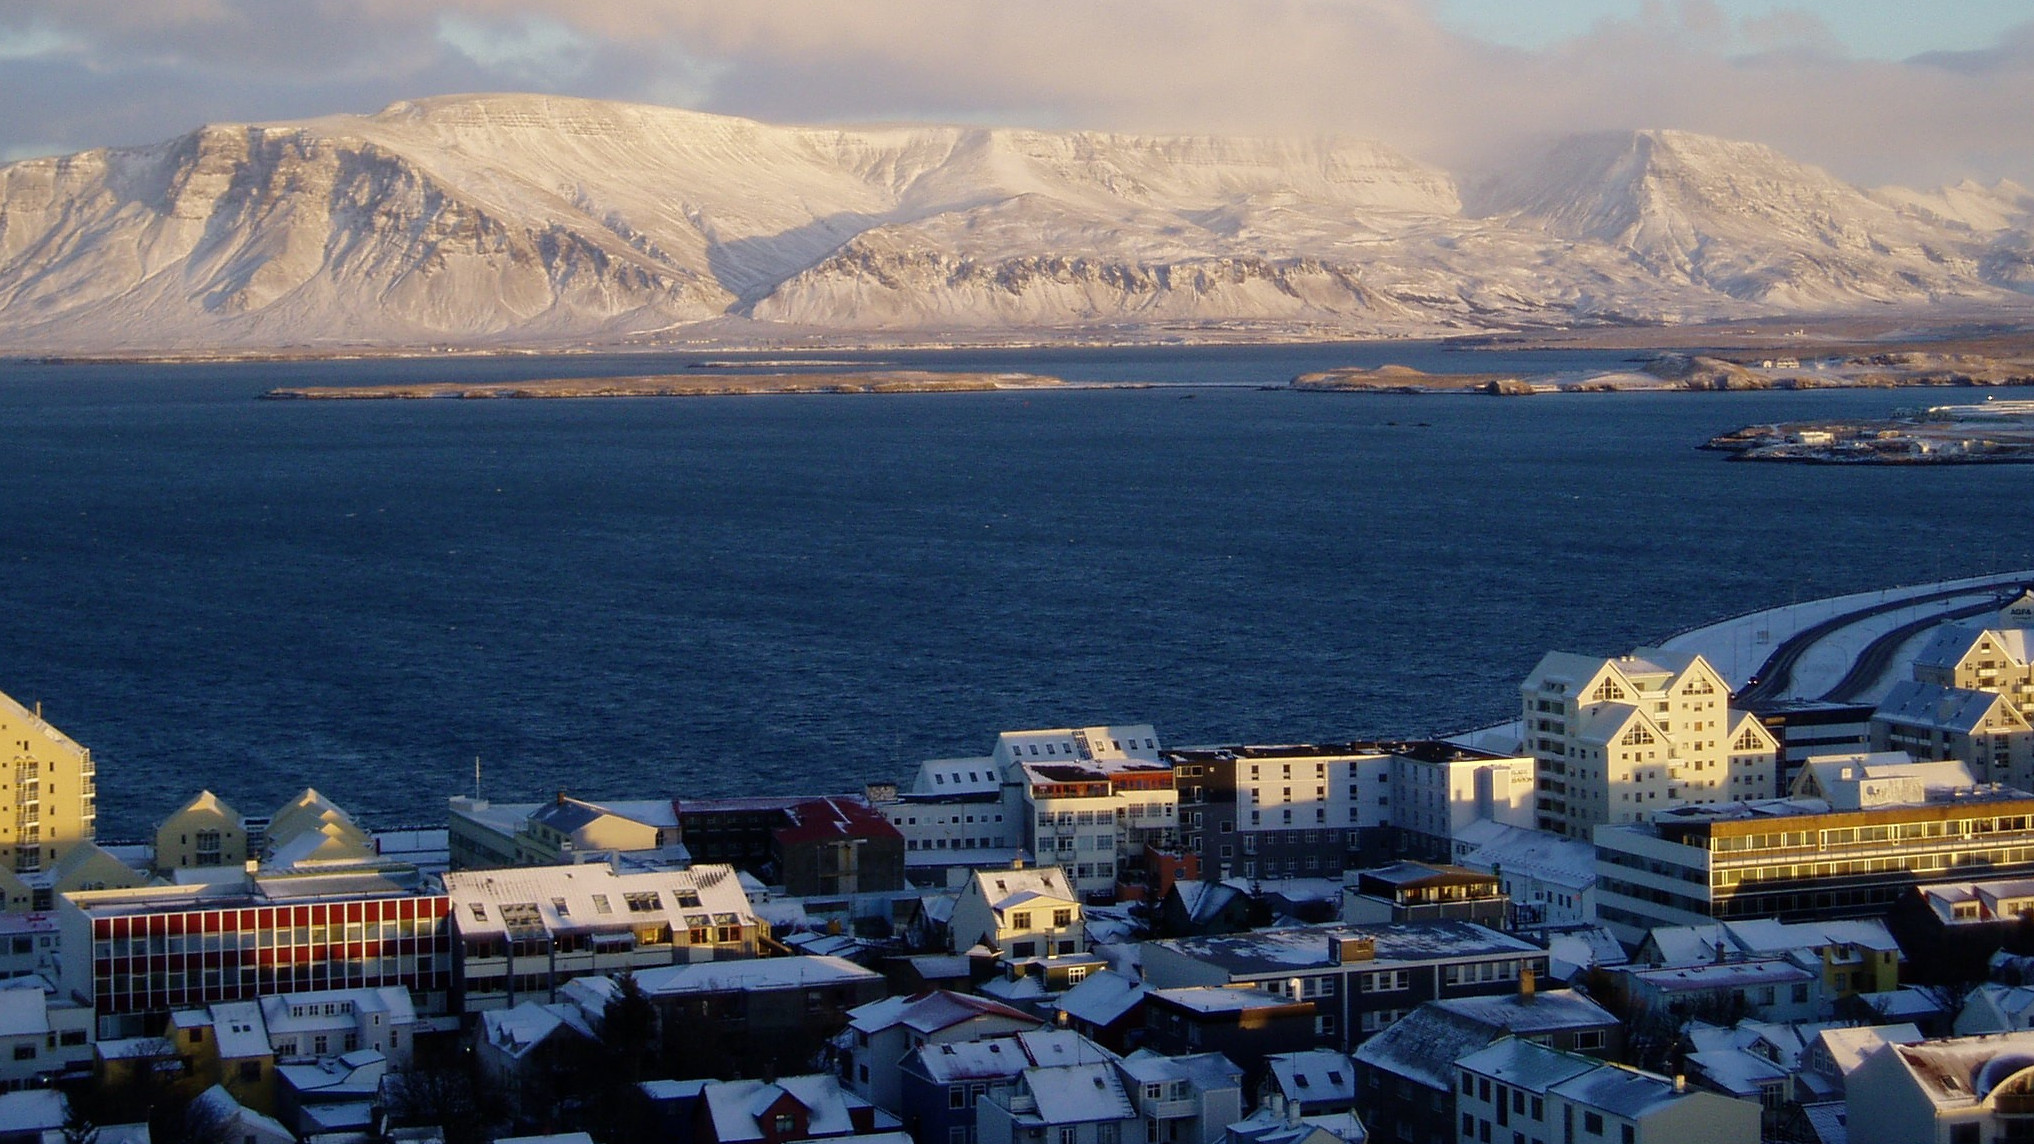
point(1088, 799)
point(1963, 1090)
point(1618, 740)
point(1439, 789)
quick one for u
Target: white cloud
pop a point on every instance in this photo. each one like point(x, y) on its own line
point(1387, 69)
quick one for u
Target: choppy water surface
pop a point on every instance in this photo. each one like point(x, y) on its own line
point(726, 595)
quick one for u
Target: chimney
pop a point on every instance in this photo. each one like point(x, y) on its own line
point(1528, 985)
point(1680, 1083)
point(561, 798)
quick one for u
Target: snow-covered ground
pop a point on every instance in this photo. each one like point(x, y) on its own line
point(1739, 646)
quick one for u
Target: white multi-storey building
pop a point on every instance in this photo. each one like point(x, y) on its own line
point(1093, 798)
point(1439, 789)
point(1089, 799)
point(1618, 740)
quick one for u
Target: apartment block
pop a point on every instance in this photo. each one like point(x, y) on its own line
point(49, 798)
point(1362, 978)
point(1858, 830)
point(523, 933)
point(1618, 740)
point(1980, 728)
point(1316, 810)
point(147, 951)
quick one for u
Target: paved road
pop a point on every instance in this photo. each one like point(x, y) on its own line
point(1878, 654)
point(1775, 677)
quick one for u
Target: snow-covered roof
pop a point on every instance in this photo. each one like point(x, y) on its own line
point(1961, 1071)
point(1314, 1076)
point(1398, 944)
point(930, 1012)
point(1077, 1094)
point(1830, 1120)
point(1685, 945)
point(1846, 1046)
point(1218, 998)
point(591, 896)
point(1620, 1091)
point(23, 1012)
point(1421, 1045)
point(737, 1105)
point(750, 974)
point(32, 1110)
point(514, 1032)
point(1951, 643)
point(1520, 1063)
point(240, 1031)
point(1738, 1072)
point(1727, 975)
point(1103, 998)
point(1011, 889)
point(1772, 936)
point(1952, 709)
point(957, 778)
point(1540, 854)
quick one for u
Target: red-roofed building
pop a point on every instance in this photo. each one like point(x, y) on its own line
point(836, 844)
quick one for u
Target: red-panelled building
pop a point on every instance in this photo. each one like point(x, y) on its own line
point(156, 949)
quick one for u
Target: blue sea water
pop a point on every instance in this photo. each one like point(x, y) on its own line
point(711, 596)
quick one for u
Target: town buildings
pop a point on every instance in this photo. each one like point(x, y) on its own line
point(1361, 978)
point(1516, 1089)
point(523, 932)
point(1620, 740)
point(1019, 913)
point(49, 802)
point(1965, 1090)
point(1856, 833)
point(144, 952)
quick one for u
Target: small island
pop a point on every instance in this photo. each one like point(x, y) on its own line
point(1991, 433)
point(679, 385)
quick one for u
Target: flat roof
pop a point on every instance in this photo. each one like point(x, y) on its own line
point(1268, 952)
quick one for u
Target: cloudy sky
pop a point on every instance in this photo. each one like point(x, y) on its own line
point(1913, 91)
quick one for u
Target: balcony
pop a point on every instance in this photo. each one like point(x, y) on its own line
point(1171, 1109)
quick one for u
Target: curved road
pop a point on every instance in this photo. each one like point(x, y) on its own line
point(1776, 675)
point(1878, 654)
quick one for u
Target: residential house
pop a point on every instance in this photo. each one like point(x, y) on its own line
point(942, 1084)
point(1106, 1007)
point(1517, 1087)
point(1405, 1073)
point(882, 1033)
point(775, 1112)
point(753, 1016)
point(1019, 913)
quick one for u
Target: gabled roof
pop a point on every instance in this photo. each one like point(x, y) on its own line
point(1952, 709)
point(1423, 1045)
point(1003, 1057)
point(1078, 1094)
point(750, 974)
point(736, 1105)
point(930, 1012)
point(1003, 889)
point(1314, 1076)
point(1103, 998)
point(1952, 643)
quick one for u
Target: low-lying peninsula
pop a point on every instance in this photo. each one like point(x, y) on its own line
point(1991, 433)
point(1677, 372)
point(680, 385)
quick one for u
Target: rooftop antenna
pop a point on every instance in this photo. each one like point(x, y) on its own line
point(476, 776)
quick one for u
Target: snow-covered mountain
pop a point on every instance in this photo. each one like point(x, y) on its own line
point(543, 221)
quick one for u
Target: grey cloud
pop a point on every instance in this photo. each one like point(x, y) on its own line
point(1378, 68)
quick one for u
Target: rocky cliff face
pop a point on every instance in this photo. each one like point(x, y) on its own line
point(499, 220)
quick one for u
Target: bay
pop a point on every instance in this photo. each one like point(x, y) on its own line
point(711, 596)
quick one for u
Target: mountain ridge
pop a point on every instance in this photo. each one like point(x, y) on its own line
point(508, 220)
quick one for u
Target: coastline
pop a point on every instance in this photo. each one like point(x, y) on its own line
point(678, 385)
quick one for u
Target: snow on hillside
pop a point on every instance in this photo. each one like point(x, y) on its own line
point(516, 219)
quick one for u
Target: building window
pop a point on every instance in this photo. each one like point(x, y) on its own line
point(1062, 917)
point(1592, 1123)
